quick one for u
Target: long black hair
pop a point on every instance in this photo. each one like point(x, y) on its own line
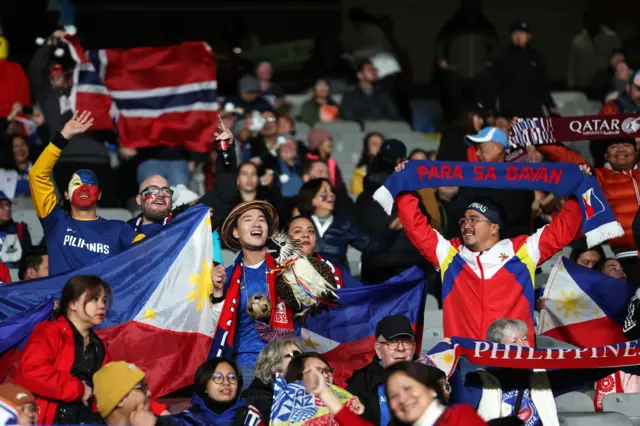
point(365, 158)
point(205, 372)
point(8, 158)
point(307, 193)
point(295, 370)
point(426, 375)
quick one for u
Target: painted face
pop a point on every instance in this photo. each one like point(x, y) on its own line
point(83, 190)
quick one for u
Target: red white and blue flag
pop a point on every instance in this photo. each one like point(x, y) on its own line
point(345, 334)
point(161, 309)
point(158, 96)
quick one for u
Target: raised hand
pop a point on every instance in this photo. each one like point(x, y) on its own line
point(223, 133)
point(79, 123)
point(586, 169)
point(401, 166)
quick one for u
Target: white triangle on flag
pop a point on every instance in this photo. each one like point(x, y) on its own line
point(566, 302)
point(181, 302)
point(314, 342)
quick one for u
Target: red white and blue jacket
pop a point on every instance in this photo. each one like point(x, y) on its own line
point(481, 287)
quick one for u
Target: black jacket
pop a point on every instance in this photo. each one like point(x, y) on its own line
point(358, 106)
point(521, 82)
point(372, 219)
point(333, 244)
point(364, 384)
point(260, 395)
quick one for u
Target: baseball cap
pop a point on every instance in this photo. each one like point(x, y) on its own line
point(16, 395)
point(112, 383)
point(520, 26)
point(393, 326)
point(490, 134)
point(488, 209)
point(4, 197)
point(635, 79)
point(394, 148)
point(248, 83)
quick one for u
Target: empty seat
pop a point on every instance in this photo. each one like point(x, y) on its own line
point(29, 217)
point(22, 203)
point(414, 140)
point(431, 336)
point(302, 131)
point(574, 402)
point(296, 102)
point(115, 214)
point(594, 419)
point(338, 127)
point(549, 342)
point(433, 318)
point(432, 303)
point(14, 274)
point(385, 127)
point(624, 403)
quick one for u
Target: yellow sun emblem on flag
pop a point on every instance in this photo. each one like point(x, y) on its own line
point(570, 303)
point(203, 286)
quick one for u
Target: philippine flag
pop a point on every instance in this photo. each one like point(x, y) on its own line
point(584, 308)
point(592, 204)
point(161, 309)
point(345, 334)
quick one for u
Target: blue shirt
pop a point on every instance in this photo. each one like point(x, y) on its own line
point(73, 243)
point(22, 185)
point(292, 186)
point(385, 412)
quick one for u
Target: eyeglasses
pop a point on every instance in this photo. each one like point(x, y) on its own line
point(394, 344)
point(29, 408)
point(142, 386)
point(446, 386)
point(218, 378)
point(270, 119)
point(472, 220)
point(155, 191)
point(292, 354)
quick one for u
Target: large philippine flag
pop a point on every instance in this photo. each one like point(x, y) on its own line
point(345, 334)
point(161, 316)
point(584, 308)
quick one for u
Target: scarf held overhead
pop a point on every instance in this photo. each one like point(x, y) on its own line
point(548, 130)
point(598, 221)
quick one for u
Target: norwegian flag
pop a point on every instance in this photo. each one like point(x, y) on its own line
point(158, 96)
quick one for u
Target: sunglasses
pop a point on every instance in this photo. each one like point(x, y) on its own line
point(218, 378)
point(292, 354)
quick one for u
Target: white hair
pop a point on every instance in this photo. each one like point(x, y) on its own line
point(503, 327)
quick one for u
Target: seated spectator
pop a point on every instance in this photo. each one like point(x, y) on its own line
point(21, 402)
point(63, 384)
point(366, 101)
point(613, 268)
point(317, 201)
point(314, 169)
point(273, 359)
point(468, 312)
point(289, 170)
point(122, 396)
point(78, 237)
point(14, 86)
point(373, 220)
point(395, 342)
point(34, 264)
point(263, 147)
point(605, 81)
point(320, 107)
point(585, 256)
point(370, 147)
point(14, 236)
point(5, 274)
point(454, 145)
point(303, 229)
point(415, 397)
point(14, 174)
point(248, 98)
point(251, 188)
point(264, 74)
point(216, 399)
point(489, 145)
point(320, 144)
point(286, 125)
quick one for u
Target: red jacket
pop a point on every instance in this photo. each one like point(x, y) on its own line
point(621, 190)
point(5, 275)
point(45, 367)
point(14, 86)
point(479, 288)
point(457, 415)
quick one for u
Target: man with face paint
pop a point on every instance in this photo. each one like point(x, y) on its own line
point(79, 237)
point(155, 195)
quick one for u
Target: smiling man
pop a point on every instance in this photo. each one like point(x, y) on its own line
point(77, 237)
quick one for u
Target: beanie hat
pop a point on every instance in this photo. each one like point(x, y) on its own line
point(112, 383)
point(316, 136)
point(15, 395)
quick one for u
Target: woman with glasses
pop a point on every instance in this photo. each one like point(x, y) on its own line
point(273, 359)
point(216, 399)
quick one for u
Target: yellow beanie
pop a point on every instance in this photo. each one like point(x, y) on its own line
point(112, 383)
point(4, 48)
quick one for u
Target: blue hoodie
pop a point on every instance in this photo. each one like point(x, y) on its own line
point(200, 415)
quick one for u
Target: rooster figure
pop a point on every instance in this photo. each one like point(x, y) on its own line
point(305, 283)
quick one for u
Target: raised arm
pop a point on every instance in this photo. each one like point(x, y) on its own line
point(559, 153)
point(44, 198)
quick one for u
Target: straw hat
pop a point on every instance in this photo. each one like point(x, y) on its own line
point(226, 233)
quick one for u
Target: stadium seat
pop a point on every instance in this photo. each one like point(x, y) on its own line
point(386, 127)
point(624, 403)
point(433, 318)
point(432, 303)
point(431, 337)
point(115, 214)
point(339, 127)
point(14, 274)
point(29, 217)
point(22, 203)
point(414, 140)
point(549, 342)
point(574, 402)
point(594, 419)
point(228, 257)
point(564, 97)
point(302, 131)
point(296, 102)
